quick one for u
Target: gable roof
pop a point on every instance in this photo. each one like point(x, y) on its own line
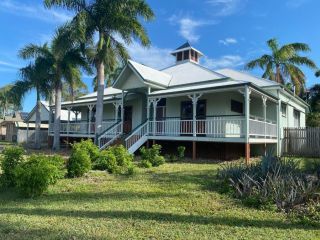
point(188, 72)
point(151, 75)
point(243, 76)
point(146, 75)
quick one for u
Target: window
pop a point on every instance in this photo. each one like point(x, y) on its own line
point(296, 116)
point(179, 56)
point(236, 106)
point(186, 55)
point(283, 110)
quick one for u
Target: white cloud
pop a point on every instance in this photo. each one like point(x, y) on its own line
point(8, 64)
point(226, 61)
point(188, 26)
point(36, 11)
point(153, 56)
point(295, 3)
point(226, 7)
point(228, 41)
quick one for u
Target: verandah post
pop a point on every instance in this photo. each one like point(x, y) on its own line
point(264, 102)
point(90, 116)
point(247, 125)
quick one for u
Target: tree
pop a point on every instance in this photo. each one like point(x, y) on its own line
point(8, 100)
point(284, 62)
point(65, 56)
point(35, 76)
point(314, 98)
point(114, 22)
point(73, 91)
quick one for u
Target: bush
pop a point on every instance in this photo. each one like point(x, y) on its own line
point(34, 176)
point(181, 150)
point(90, 147)
point(12, 157)
point(145, 163)
point(151, 155)
point(106, 161)
point(124, 160)
point(271, 180)
point(79, 162)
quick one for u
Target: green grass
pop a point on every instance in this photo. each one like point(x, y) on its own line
point(174, 201)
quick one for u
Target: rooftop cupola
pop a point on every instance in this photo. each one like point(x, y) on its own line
point(187, 53)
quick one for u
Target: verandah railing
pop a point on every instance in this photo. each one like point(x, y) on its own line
point(217, 127)
point(81, 128)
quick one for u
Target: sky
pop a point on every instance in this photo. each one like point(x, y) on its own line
point(229, 32)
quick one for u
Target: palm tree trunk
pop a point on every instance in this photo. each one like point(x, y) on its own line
point(100, 93)
point(37, 143)
point(57, 117)
point(278, 78)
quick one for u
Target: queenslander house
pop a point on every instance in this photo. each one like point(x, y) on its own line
point(222, 114)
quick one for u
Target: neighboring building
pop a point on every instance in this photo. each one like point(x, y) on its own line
point(224, 114)
point(26, 132)
point(21, 126)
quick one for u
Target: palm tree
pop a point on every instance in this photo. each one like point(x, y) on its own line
point(115, 22)
point(34, 76)
point(65, 56)
point(284, 62)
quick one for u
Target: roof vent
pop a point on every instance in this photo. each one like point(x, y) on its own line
point(187, 53)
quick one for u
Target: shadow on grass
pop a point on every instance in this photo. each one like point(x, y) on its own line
point(160, 217)
point(206, 179)
point(8, 196)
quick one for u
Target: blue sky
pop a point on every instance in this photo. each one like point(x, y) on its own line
point(228, 32)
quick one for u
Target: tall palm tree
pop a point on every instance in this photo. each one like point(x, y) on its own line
point(114, 22)
point(35, 76)
point(284, 62)
point(65, 57)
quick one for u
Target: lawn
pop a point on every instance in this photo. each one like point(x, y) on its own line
point(174, 201)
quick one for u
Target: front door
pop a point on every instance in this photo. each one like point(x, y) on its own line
point(127, 121)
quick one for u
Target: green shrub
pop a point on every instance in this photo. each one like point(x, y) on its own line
point(145, 164)
point(34, 176)
point(79, 162)
point(90, 147)
point(106, 161)
point(124, 160)
point(151, 155)
point(181, 151)
point(12, 157)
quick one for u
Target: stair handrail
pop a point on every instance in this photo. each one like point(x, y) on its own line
point(137, 134)
point(114, 131)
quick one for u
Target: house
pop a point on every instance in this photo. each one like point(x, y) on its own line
point(218, 114)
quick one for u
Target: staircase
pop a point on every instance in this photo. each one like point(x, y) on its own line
point(137, 138)
point(109, 135)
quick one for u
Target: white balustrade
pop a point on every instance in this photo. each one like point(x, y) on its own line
point(137, 135)
point(81, 128)
point(260, 128)
point(217, 127)
point(110, 135)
